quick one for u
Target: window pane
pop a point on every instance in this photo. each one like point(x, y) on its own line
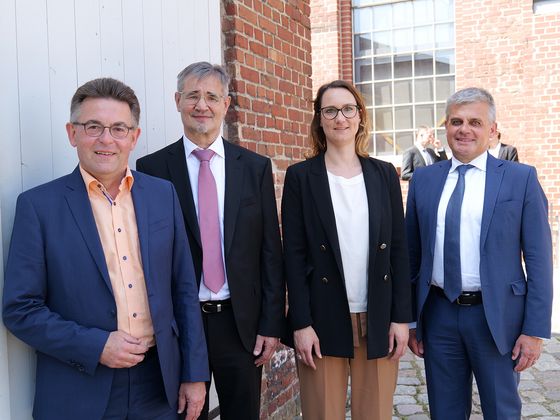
point(423, 11)
point(424, 115)
point(445, 62)
point(444, 10)
point(362, 45)
point(403, 40)
point(405, 141)
point(381, 42)
point(384, 144)
point(363, 20)
point(383, 94)
point(423, 90)
point(423, 65)
point(363, 71)
point(382, 17)
point(403, 66)
point(445, 87)
point(403, 91)
point(365, 90)
point(445, 35)
point(382, 66)
point(403, 117)
point(383, 119)
point(424, 37)
point(402, 14)
point(440, 115)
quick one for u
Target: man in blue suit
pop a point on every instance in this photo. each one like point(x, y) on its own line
point(471, 222)
point(99, 278)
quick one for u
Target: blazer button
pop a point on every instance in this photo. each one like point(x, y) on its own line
point(323, 248)
point(385, 277)
point(325, 280)
point(383, 246)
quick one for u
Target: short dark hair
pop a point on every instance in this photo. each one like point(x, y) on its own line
point(105, 87)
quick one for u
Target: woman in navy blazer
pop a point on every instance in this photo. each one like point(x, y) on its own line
point(346, 264)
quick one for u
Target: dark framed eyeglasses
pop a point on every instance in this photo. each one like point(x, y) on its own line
point(95, 129)
point(348, 111)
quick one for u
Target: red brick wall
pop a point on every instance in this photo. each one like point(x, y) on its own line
point(504, 47)
point(267, 49)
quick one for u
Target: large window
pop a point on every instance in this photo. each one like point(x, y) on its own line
point(404, 65)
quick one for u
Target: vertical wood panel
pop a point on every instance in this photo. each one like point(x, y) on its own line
point(111, 39)
point(88, 43)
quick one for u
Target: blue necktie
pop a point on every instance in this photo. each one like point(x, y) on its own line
point(451, 244)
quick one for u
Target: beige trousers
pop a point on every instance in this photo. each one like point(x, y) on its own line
point(372, 383)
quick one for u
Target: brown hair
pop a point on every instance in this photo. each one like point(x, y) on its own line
point(316, 133)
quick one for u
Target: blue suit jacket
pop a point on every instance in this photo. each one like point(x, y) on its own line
point(58, 296)
point(514, 226)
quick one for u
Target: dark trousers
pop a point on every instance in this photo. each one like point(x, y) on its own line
point(237, 379)
point(138, 393)
point(458, 344)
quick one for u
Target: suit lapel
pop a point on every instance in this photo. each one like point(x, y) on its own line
point(177, 166)
point(494, 176)
point(319, 186)
point(142, 224)
point(80, 207)
point(502, 152)
point(233, 190)
point(375, 197)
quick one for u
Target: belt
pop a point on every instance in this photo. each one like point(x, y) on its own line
point(464, 299)
point(214, 306)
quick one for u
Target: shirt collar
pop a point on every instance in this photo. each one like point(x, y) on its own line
point(217, 146)
point(478, 162)
point(91, 182)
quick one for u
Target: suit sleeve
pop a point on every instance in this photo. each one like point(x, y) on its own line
point(272, 319)
point(536, 244)
point(295, 253)
point(414, 244)
point(407, 167)
point(401, 302)
point(25, 310)
point(186, 305)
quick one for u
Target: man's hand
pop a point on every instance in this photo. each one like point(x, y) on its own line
point(306, 342)
point(191, 397)
point(122, 351)
point(414, 345)
point(527, 351)
point(264, 348)
point(398, 337)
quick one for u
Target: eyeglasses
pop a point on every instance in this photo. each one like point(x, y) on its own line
point(95, 129)
point(193, 98)
point(348, 111)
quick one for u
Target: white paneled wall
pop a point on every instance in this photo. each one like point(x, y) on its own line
point(47, 49)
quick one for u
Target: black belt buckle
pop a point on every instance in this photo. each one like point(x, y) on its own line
point(469, 299)
point(213, 307)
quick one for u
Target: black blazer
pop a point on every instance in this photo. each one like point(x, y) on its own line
point(252, 247)
point(508, 152)
point(413, 159)
point(316, 290)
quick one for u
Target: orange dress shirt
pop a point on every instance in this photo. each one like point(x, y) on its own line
point(116, 224)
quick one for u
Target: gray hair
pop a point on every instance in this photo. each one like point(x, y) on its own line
point(105, 87)
point(201, 70)
point(469, 96)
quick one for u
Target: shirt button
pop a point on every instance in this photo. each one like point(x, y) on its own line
point(114, 203)
point(325, 280)
point(323, 248)
point(124, 258)
point(134, 315)
point(130, 286)
point(383, 246)
point(119, 230)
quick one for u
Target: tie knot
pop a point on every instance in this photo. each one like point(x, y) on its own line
point(463, 168)
point(203, 155)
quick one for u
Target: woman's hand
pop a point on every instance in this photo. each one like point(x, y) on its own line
point(398, 340)
point(306, 342)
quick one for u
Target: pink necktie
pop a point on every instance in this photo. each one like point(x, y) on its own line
point(209, 223)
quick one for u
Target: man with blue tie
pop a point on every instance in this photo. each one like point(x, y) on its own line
point(471, 222)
